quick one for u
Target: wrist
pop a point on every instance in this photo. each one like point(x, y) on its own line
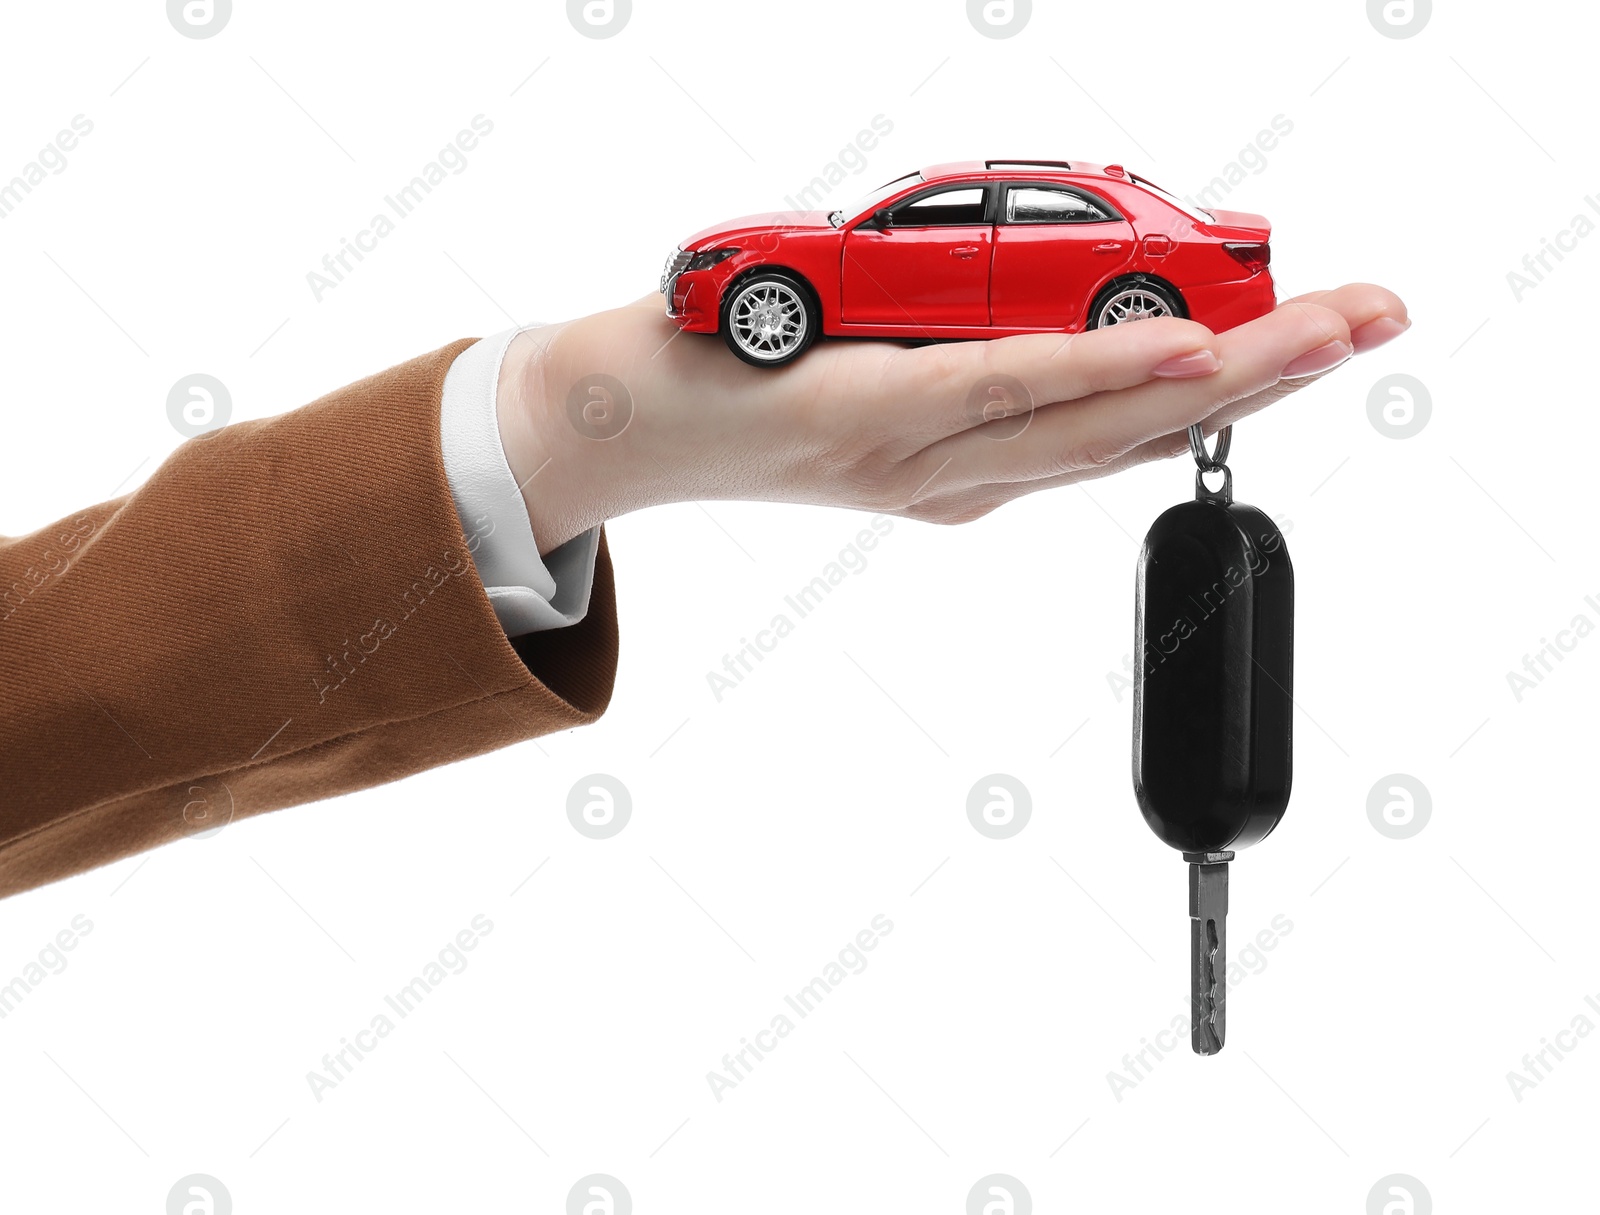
point(563, 486)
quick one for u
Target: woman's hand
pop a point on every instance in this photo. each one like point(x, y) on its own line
point(618, 411)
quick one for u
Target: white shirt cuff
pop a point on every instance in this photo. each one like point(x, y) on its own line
point(528, 594)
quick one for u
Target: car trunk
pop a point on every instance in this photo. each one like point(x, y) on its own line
point(1240, 226)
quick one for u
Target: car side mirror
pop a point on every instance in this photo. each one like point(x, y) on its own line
point(883, 219)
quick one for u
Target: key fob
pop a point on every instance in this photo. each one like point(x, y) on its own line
point(1214, 678)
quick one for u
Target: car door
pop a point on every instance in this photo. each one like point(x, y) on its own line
point(1054, 245)
point(924, 263)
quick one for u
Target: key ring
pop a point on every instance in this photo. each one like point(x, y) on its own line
point(1210, 461)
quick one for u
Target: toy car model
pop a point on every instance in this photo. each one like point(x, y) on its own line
point(978, 249)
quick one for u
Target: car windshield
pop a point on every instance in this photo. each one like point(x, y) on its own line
point(1189, 209)
point(871, 201)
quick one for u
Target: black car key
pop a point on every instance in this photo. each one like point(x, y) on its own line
point(1212, 703)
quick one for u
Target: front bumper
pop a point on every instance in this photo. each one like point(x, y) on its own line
point(691, 295)
point(693, 302)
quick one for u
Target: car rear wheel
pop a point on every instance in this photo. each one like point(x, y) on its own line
point(1138, 301)
point(769, 319)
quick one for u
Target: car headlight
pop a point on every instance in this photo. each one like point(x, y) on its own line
point(704, 261)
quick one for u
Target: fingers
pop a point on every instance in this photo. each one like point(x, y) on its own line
point(1354, 298)
point(1374, 316)
point(1101, 429)
point(930, 392)
point(1365, 308)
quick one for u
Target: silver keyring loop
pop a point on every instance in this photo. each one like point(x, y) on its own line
point(1210, 461)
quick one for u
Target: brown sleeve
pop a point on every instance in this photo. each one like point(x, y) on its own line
point(287, 610)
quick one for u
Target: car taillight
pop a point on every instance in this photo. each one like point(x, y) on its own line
point(1254, 258)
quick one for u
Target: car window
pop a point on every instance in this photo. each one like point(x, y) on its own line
point(1045, 205)
point(943, 208)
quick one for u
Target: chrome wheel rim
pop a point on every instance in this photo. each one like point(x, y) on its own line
point(768, 320)
point(1132, 304)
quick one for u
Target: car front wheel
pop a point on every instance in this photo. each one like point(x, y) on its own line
point(1135, 301)
point(769, 319)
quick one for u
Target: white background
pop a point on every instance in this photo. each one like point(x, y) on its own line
point(769, 828)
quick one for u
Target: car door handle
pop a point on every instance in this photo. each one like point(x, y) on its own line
point(964, 251)
point(1110, 246)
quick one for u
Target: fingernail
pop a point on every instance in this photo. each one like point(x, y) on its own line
point(1187, 366)
point(1376, 333)
point(1314, 362)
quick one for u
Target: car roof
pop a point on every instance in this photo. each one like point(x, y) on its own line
point(1016, 167)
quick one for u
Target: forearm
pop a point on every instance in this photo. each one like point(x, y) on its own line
point(288, 609)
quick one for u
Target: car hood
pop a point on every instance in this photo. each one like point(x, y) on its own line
point(1240, 225)
point(769, 222)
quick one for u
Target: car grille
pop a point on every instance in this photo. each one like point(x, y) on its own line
point(674, 267)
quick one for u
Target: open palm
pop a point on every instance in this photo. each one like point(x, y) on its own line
point(944, 432)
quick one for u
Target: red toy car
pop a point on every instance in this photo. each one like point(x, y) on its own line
point(978, 249)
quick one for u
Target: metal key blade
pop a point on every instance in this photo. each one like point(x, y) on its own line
point(1208, 949)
